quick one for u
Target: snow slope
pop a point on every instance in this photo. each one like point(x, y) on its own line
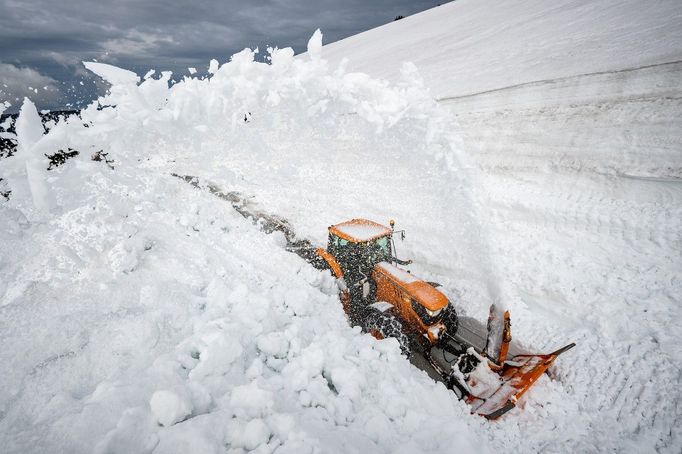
point(466, 47)
point(141, 314)
point(571, 114)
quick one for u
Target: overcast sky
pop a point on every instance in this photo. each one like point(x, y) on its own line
point(43, 42)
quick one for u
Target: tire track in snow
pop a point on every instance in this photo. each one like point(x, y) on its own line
point(569, 79)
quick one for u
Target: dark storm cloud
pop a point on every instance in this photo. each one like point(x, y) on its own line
point(52, 38)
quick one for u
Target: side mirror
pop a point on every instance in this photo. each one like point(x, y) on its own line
point(401, 232)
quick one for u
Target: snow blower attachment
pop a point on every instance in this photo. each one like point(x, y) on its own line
point(388, 301)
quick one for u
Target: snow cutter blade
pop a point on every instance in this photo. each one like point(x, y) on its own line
point(517, 376)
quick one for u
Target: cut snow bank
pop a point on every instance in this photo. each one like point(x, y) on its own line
point(570, 111)
point(140, 314)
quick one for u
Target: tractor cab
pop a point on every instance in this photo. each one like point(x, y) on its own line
point(363, 253)
point(358, 246)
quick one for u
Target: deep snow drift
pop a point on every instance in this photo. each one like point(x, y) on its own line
point(140, 314)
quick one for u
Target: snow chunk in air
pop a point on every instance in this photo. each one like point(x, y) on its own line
point(315, 45)
point(112, 74)
point(29, 127)
point(213, 66)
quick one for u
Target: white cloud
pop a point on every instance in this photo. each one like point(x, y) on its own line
point(136, 43)
point(19, 82)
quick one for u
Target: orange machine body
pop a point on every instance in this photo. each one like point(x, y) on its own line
point(365, 258)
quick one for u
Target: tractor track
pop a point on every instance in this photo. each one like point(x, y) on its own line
point(269, 223)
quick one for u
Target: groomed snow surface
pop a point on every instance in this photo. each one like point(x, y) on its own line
point(140, 314)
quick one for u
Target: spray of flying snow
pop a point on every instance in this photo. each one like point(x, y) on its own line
point(296, 110)
point(225, 321)
point(292, 100)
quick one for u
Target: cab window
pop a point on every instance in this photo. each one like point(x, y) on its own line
point(336, 244)
point(379, 250)
point(383, 245)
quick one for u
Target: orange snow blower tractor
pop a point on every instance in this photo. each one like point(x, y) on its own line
point(388, 301)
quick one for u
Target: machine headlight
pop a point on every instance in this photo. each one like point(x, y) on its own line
point(433, 313)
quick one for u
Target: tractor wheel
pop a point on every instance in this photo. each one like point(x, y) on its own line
point(383, 325)
point(450, 319)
